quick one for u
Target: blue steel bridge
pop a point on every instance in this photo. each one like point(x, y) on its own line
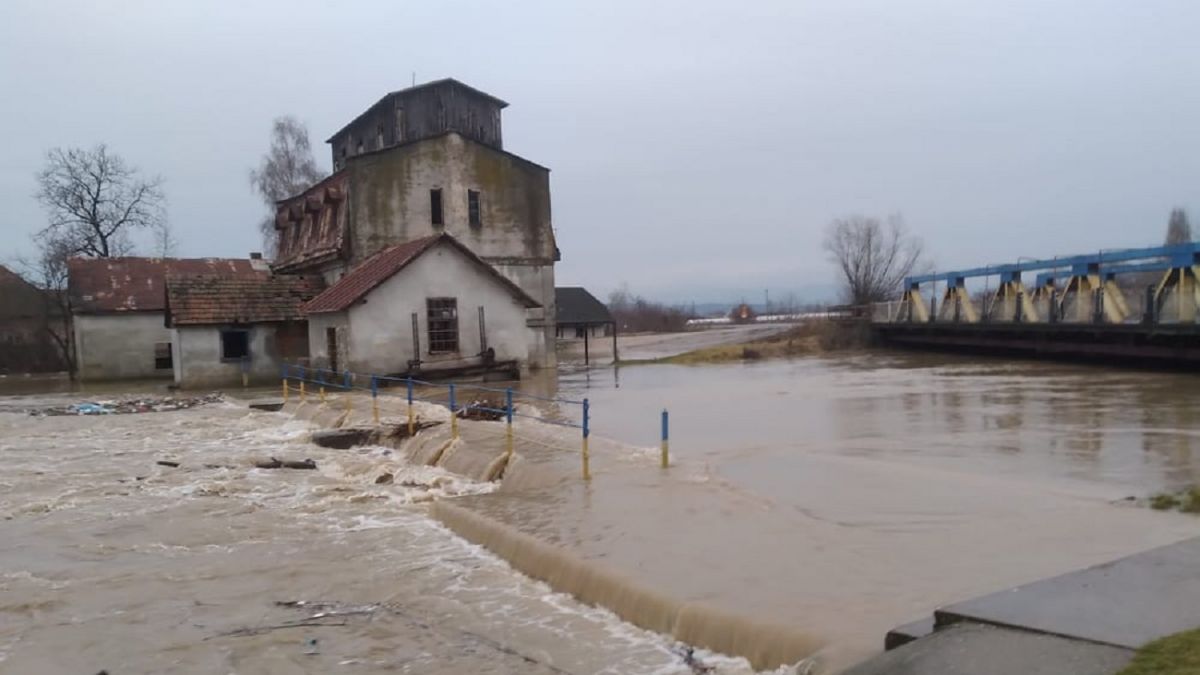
point(1120, 304)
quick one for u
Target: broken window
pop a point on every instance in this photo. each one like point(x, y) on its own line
point(162, 356)
point(435, 207)
point(442, 315)
point(235, 344)
point(473, 216)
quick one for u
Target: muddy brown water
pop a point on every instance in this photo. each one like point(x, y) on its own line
point(832, 497)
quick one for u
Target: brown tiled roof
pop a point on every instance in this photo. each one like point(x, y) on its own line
point(98, 285)
point(383, 265)
point(210, 300)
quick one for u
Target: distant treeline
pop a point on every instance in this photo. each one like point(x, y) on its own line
point(635, 314)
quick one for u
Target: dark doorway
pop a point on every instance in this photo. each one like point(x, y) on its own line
point(331, 347)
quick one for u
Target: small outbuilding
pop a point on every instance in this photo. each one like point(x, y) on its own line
point(226, 330)
point(425, 307)
point(580, 315)
point(117, 310)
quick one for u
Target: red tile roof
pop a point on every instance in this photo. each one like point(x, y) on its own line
point(98, 285)
point(383, 265)
point(211, 300)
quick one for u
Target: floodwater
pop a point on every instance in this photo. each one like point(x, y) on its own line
point(832, 497)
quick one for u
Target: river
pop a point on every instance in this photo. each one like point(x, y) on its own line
point(109, 561)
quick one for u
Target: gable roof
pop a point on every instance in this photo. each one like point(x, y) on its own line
point(385, 264)
point(574, 304)
point(98, 285)
point(18, 297)
point(201, 300)
point(409, 90)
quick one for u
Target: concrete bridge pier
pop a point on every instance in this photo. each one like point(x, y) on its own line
point(956, 304)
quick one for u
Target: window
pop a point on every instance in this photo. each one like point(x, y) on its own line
point(378, 136)
point(162, 356)
point(435, 207)
point(473, 207)
point(235, 344)
point(442, 314)
point(399, 124)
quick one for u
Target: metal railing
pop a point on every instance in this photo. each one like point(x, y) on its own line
point(305, 378)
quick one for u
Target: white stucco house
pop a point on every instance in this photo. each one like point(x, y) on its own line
point(426, 307)
point(118, 325)
point(227, 331)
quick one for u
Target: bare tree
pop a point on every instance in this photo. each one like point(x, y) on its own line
point(1179, 229)
point(95, 202)
point(287, 169)
point(48, 273)
point(873, 258)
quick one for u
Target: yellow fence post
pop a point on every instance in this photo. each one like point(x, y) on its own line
point(453, 415)
point(322, 392)
point(285, 390)
point(302, 391)
point(375, 399)
point(412, 423)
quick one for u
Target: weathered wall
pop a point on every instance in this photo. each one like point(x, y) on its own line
point(119, 346)
point(318, 343)
point(198, 361)
point(390, 204)
point(378, 333)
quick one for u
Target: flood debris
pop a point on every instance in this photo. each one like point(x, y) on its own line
point(483, 408)
point(276, 463)
point(128, 406)
point(163, 462)
point(385, 479)
point(688, 654)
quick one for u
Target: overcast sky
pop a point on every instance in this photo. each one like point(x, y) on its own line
point(697, 148)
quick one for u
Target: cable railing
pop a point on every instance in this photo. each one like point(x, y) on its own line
point(347, 381)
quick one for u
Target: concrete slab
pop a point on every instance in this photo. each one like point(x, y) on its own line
point(1127, 602)
point(902, 635)
point(976, 649)
point(267, 405)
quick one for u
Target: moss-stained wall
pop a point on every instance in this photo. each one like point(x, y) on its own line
point(390, 204)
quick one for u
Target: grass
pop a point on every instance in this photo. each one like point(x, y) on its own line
point(1177, 654)
point(1187, 501)
point(812, 337)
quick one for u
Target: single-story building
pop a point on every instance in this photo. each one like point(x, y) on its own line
point(229, 330)
point(117, 310)
point(424, 306)
point(581, 316)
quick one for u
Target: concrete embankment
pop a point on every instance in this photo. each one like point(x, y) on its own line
point(812, 556)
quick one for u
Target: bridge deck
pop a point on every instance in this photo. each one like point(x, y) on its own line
point(1150, 344)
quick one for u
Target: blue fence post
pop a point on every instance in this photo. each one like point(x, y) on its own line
point(587, 474)
point(508, 431)
point(665, 436)
point(411, 420)
point(348, 377)
point(453, 413)
point(375, 399)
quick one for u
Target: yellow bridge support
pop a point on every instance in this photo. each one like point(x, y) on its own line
point(957, 306)
point(1011, 302)
point(913, 307)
